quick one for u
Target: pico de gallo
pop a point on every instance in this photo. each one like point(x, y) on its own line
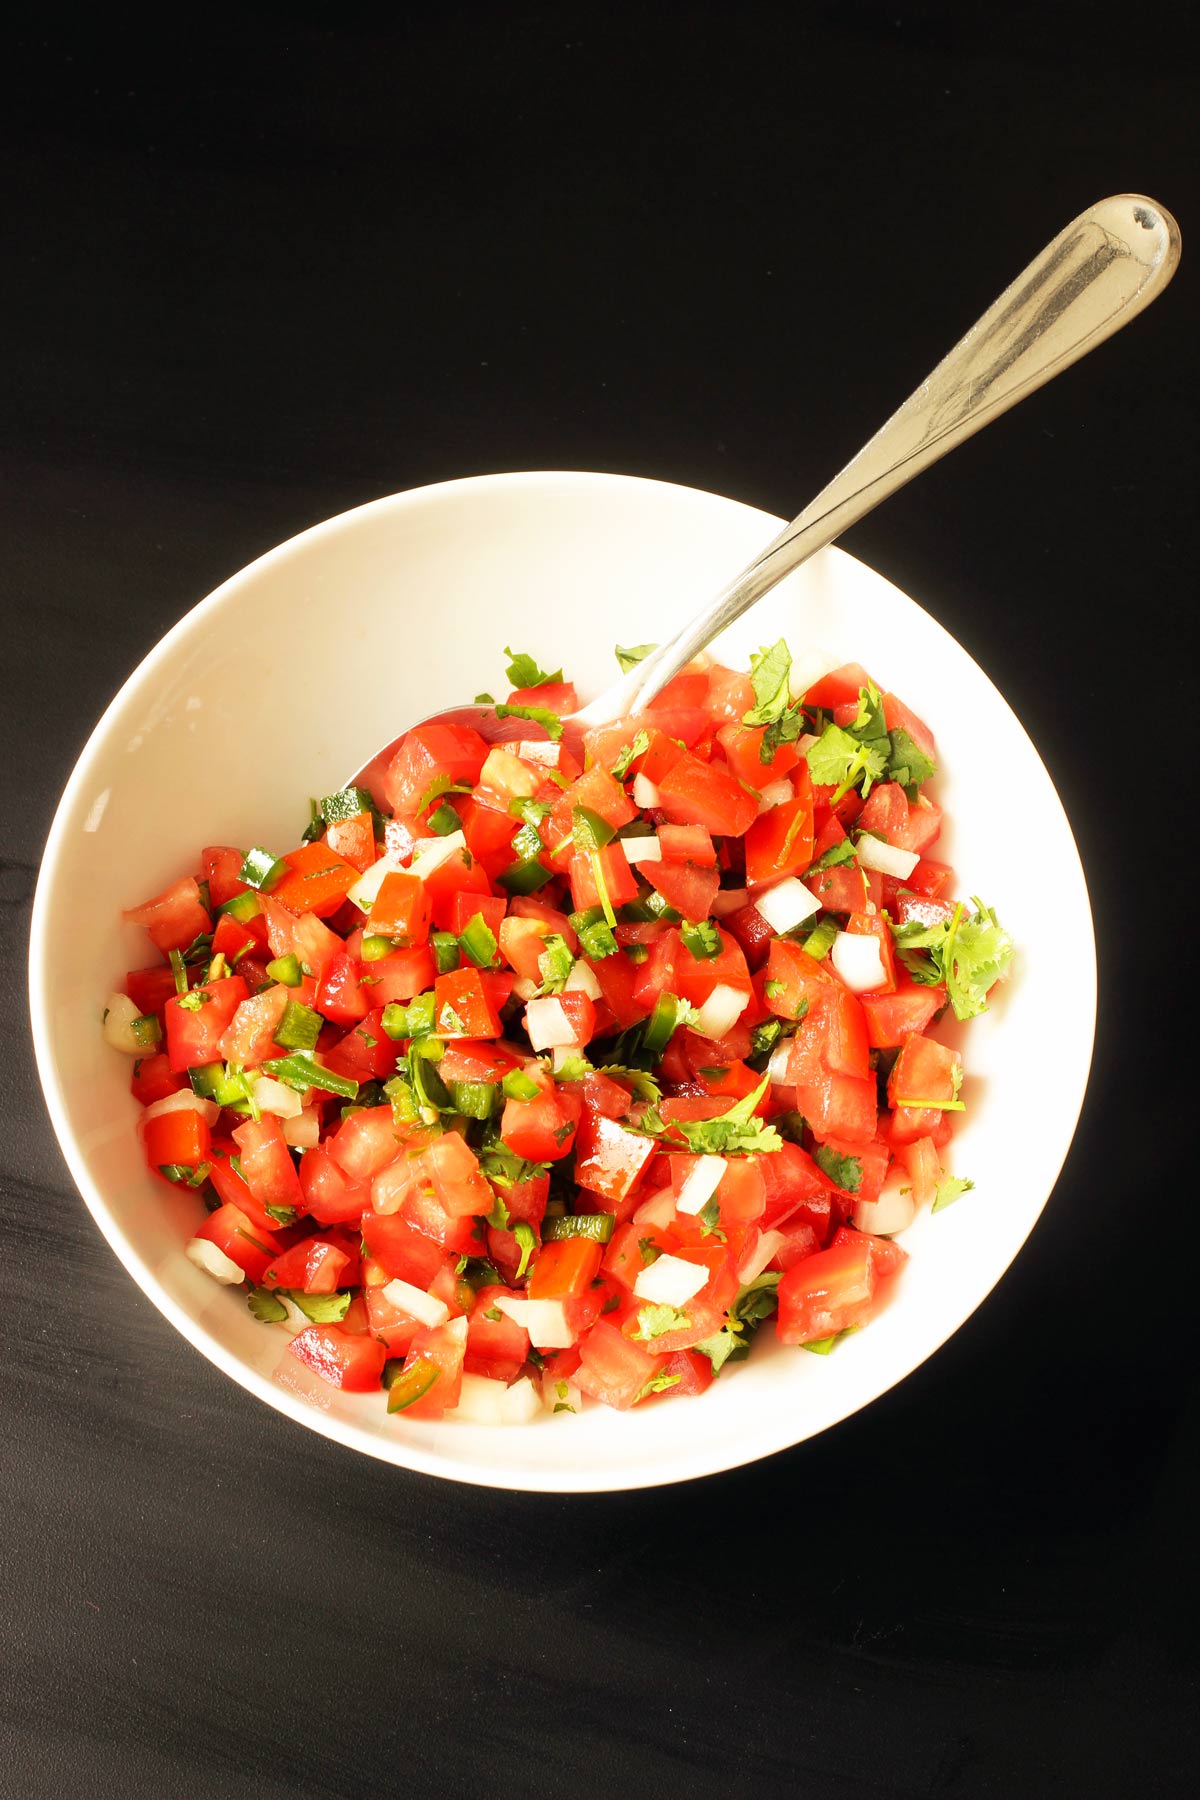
point(556, 1070)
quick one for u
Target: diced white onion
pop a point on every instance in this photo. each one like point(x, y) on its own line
point(787, 904)
point(775, 794)
point(859, 962)
point(366, 888)
point(759, 1255)
point(273, 1097)
point(525, 987)
point(183, 1101)
point(721, 1011)
point(645, 794)
point(893, 1211)
point(296, 1320)
point(641, 849)
point(670, 1281)
point(303, 1130)
point(213, 1261)
point(544, 1320)
point(546, 754)
point(582, 980)
point(777, 1067)
point(874, 853)
point(416, 1303)
point(504, 773)
point(728, 900)
point(481, 1401)
point(430, 853)
point(701, 1184)
point(119, 1014)
point(657, 1210)
point(547, 1023)
point(561, 1055)
point(520, 1404)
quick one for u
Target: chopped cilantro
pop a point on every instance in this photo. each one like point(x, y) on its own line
point(657, 1384)
point(845, 1172)
point(321, 1309)
point(540, 715)
point(949, 1189)
point(709, 1218)
point(656, 1321)
point(629, 753)
point(527, 1239)
point(265, 1306)
point(702, 939)
point(738, 1130)
point(770, 670)
point(841, 852)
point(630, 658)
point(555, 963)
point(969, 952)
point(648, 1250)
point(523, 671)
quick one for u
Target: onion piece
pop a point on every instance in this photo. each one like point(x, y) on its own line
point(213, 1261)
point(582, 980)
point(701, 1184)
point(520, 1404)
point(416, 1303)
point(366, 888)
point(183, 1101)
point(557, 1393)
point(480, 1401)
point(525, 987)
point(669, 1281)
point(430, 853)
point(547, 1023)
point(859, 962)
point(787, 904)
point(645, 794)
point(776, 793)
point(544, 1320)
point(721, 1011)
point(544, 752)
point(892, 1212)
point(658, 1209)
point(759, 1255)
point(119, 1013)
point(303, 1130)
point(641, 849)
point(777, 1067)
point(889, 859)
point(273, 1097)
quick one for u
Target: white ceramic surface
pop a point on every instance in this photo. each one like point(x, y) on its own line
point(278, 686)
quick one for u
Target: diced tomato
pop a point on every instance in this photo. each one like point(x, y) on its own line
point(742, 745)
point(462, 1007)
point(597, 790)
point(925, 1072)
point(304, 936)
point(232, 940)
point(494, 1339)
point(839, 1105)
point(456, 751)
point(459, 873)
point(317, 881)
point(174, 917)
point(180, 1137)
point(153, 1079)
point(365, 1053)
point(692, 792)
point(929, 878)
point(353, 840)
point(267, 1167)
point(345, 1359)
point(752, 932)
point(689, 889)
point(887, 1257)
point(897, 717)
point(864, 1165)
point(599, 875)
point(249, 1037)
point(827, 1293)
point(400, 909)
point(840, 687)
point(402, 1250)
point(924, 1167)
point(796, 982)
point(244, 1243)
point(150, 989)
point(220, 867)
point(452, 1170)
point(564, 1269)
point(614, 1369)
point(339, 996)
point(618, 978)
point(610, 1159)
point(364, 1143)
point(443, 1348)
point(795, 1191)
point(332, 1196)
point(780, 843)
point(893, 1017)
point(314, 1266)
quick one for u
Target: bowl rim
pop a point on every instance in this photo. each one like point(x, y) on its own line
point(397, 1452)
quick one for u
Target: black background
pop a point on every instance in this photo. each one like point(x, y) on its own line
point(264, 267)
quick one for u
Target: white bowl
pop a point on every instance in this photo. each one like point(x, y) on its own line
point(282, 682)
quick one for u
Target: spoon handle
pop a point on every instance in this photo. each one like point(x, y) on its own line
point(1093, 278)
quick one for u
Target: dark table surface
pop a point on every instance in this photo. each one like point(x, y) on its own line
point(264, 268)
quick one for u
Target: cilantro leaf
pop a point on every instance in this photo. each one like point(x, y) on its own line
point(528, 1241)
point(656, 1321)
point(630, 658)
point(845, 1172)
point(949, 1189)
point(321, 1309)
point(523, 671)
point(648, 1250)
point(629, 753)
point(739, 1129)
point(841, 761)
point(555, 963)
point(267, 1307)
point(970, 952)
point(769, 671)
point(657, 1384)
point(907, 764)
point(702, 939)
point(498, 1217)
point(708, 1218)
point(754, 1303)
point(722, 1345)
point(837, 854)
point(540, 715)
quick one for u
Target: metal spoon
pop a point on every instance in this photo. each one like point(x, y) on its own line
point(1095, 276)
